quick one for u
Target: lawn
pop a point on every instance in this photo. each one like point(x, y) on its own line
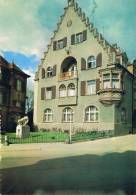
point(52, 136)
point(39, 137)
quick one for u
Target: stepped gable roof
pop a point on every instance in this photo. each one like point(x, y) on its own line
point(101, 40)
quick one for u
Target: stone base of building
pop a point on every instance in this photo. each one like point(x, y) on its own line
point(118, 129)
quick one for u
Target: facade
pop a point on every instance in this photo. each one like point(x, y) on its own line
point(13, 83)
point(82, 82)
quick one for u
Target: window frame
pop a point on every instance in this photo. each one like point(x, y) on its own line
point(70, 89)
point(47, 115)
point(60, 91)
point(67, 115)
point(89, 113)
point(48, 95)
point(91, 60)
point(91, 93)
point(49, 72)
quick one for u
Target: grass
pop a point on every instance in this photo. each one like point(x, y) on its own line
point(38, 137)
point(52, 136)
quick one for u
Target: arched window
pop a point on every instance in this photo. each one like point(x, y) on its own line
point(123, 115)
point(43, 73)
point(91, 62)
point(48, 115)
point(68, 115)
point(62, 91)
point(49, 72)
point(71, 90)
point(91, 114)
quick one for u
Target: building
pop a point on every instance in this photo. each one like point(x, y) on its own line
point(82, 82)
point(13, 83)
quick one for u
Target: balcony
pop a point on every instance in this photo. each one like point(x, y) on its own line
point(67, 75)
point(110, 96)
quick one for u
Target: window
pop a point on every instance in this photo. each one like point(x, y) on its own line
point(1, 98)
point(60, 44)
point(19, 85)
point(91, 62)
point(62, 91)
point(48, 115)
point(123, 115)
point(91, 87)
point(79, 38)
point(71, 90)
point(49, 72)
point(68, 115)
point(49, 93)
point(106, 81)
point(115, 80)
point(91, 114)
point(111, 81)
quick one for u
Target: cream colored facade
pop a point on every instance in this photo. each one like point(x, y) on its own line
point(82, 82)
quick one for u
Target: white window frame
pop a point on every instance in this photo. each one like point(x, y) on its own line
point(71, 90)
point(62, 91)
point(49, 72)
point(91, 62)
point(91, 88)
point(48, 115)
point(79, 38)
point(68, 115)
point(49, 93)
point(91, 113)
point(60, 44)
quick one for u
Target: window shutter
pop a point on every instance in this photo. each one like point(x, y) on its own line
point(83, 64)
point(99, 60)
point(42, 93)
point(53, 92)
point(83, 88)
point(97, 85)
point(43, 73)
point(54, 70)
point(84, 35)
point(65, 41)
point(73, 39)
point(54, 45)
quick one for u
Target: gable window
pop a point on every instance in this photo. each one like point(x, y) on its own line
point(48, 115)
point(91, 114)
point(49, 93)
point(79, 38)
point(62, 91)
point(91, 87)
point(68, 115)
point(71, 90)
point(91, 62)
point(19, 85)
point(60, 44)
point(123, 115)
point(49, 72)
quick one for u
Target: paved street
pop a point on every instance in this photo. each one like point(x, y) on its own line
point(98, 167)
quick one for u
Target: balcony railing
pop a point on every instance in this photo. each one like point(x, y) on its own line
point(68, 75)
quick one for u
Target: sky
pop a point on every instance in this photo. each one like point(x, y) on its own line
point(27, 25)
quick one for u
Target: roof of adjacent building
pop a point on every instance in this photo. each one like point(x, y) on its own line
point(12, 66)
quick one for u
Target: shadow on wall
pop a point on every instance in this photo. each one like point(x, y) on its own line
point(113, 173)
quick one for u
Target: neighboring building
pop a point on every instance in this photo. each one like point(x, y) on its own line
point(82, 82)
point(13, 83)
point(132, 69)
